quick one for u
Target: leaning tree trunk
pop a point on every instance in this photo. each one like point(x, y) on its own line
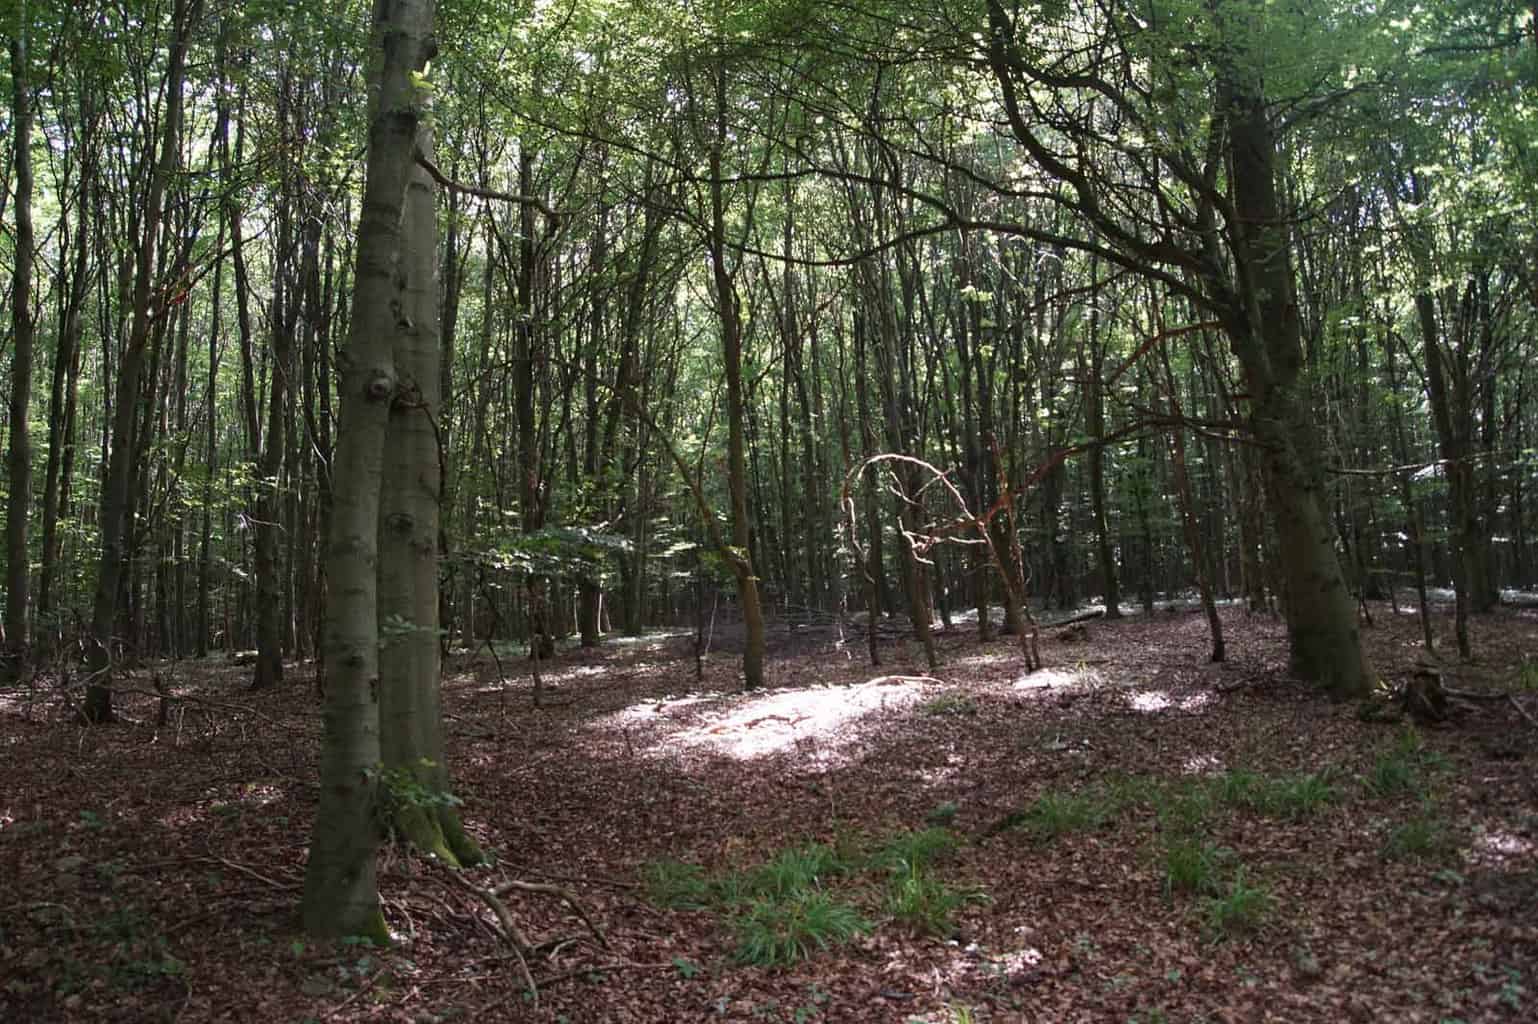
point(1324, 642)
point(340, 895)
point(411, 723)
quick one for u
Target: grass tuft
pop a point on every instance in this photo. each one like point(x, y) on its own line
point(924, 903)
point(1192, 867)
point(916, 850)
point(1056, 813)
point(675, 884)
point(949, 705)
point(1239, 910)
point(1423, 837)
point(783, 932)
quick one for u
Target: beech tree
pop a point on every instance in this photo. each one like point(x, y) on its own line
point(340, 895)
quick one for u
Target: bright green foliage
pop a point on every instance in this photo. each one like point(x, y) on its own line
point(924, 903)
point(793, 871)
point(1057, 813)
point(1402, 769)
point(914, 850)
point(785, 931)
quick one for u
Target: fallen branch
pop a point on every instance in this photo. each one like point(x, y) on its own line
point(566, 896)
point(510, 931)
point(1522, 711)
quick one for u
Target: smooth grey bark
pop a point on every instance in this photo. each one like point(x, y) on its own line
point(410, 512)
point(340, 894)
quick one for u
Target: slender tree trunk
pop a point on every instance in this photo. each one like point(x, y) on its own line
point(340, 896)
point(730, 321)
point(116, 495)
point(19, 456)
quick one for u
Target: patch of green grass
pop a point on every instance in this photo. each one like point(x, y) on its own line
point(949, 705)
point(782, 932)
point(1240, 787)
point(1238, 910)
point(914, 849)
point(1186, 806)
point(1192, 866)
point(1297, 796)
point(924, 903)
point(794, 870)
point(1130, 790)
point(1527, 675)
point(1423, 837)
point(1056, 813)
point(672, 883)
point(1401, 770)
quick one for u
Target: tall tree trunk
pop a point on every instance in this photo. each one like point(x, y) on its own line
point(340, 895)
point(411, 721)
point(116, 494)
point(1094, 399)
point(19, 456)
point(1324, 642)
point(730, 320)
point(270, 603)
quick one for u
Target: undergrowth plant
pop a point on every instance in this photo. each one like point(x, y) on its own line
point(1237, 910)
point(1192, 866)
point(779, 932)
point(787, 908)
point(1056, 813)
point(680, 886)
point(1423, 837)
point(917, 899)
point(1402, 769)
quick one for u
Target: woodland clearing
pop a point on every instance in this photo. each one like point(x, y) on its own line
point(1129, 834)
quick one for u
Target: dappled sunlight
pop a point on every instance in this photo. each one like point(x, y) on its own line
point(749, 726)
point(1498, 848)
point(974, 661)
point(1148, 701)
point(1202, 764)
point(1049, 678)
point(973, 960)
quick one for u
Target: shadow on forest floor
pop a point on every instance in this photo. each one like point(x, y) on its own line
point(1128, 834)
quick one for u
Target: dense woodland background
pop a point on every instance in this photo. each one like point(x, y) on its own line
point(901, 276)
point(430, 350)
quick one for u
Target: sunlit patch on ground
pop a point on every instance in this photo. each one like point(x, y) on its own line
point(1159, 700)
point(574, 673)
point(746, 727)
point(1052, 678)
point(665, 710)
point(1498, 847)
point(955, 666)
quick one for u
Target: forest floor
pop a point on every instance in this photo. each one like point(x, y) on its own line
point(1129, 834)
